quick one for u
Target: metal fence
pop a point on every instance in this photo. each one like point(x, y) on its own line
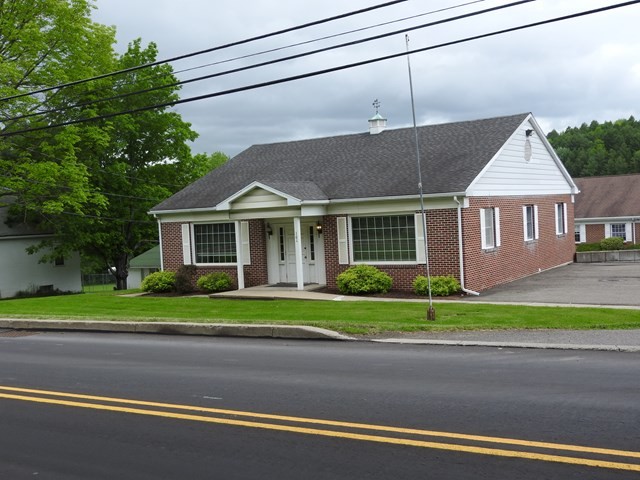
point(98, 282)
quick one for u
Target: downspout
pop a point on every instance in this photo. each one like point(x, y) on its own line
point(461, 259)
point(160, 238)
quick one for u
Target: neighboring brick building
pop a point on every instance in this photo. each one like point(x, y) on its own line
point(499, 206)
point(608, 207)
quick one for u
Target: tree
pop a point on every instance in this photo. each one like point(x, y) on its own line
point(610, 148)
point(44, 43)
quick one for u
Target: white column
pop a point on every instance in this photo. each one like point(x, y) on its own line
point(298, 237)
point(239, 259)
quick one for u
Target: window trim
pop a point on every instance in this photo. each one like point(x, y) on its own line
point(495, 218)
point(535, 226)
point(194, 252)
point(628, 233)
point(384, 262)
point(561, 208)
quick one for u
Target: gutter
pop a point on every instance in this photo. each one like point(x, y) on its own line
point(460, 253)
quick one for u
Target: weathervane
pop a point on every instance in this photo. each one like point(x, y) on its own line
point(376, 105)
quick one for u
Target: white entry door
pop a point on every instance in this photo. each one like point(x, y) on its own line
point(312, 254)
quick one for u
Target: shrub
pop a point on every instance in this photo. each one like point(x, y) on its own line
point(363, 279)
point(612, 243)
point(159, 282)
point(215, 282)
point(587, 247)
point(441, 286)
point(184, 279)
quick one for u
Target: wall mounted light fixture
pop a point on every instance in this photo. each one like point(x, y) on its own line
point(528, 132)
point(269, 230)
point(319, 228)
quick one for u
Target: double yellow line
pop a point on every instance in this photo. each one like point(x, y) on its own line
point(393, 435)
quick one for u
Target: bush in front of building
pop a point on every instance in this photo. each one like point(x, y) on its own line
point(441, 286)
point(215, 282)
point(611, 243)
point(159, 282)
point(362, 280)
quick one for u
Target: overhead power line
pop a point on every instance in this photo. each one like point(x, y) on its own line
point(275, 61)
point(280, 60)
point(330, 70)
point(209, 50)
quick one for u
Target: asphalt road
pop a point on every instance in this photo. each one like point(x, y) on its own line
point(218, 405)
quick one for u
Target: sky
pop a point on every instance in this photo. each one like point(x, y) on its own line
point(566, 73)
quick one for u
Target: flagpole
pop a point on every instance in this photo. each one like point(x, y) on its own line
point(431, 313)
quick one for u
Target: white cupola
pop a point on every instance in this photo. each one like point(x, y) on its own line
point(377, 123)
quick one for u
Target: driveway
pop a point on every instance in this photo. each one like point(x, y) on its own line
point(576, 283)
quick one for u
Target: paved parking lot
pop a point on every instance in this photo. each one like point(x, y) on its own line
point(576, 283)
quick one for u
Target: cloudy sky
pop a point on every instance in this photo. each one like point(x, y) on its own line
point(566, 73)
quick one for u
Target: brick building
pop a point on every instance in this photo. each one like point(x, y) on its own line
point(608, 206)
point(498, 206)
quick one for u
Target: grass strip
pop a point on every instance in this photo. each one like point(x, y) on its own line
point(347, 317)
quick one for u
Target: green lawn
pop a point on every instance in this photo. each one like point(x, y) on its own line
point(348, 317)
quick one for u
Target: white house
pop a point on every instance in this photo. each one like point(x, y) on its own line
point(21, 272)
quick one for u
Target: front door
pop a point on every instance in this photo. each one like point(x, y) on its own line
point(312, 264)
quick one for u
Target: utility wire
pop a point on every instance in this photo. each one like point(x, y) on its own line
point(275, 61)
point(329, 70)
point(263, 52)
point(209, 50)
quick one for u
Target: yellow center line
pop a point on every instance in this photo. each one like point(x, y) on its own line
point(326, 433)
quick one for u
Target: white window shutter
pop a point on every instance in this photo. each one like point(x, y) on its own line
point(343, 249)
point(607, 230)
point(483, 226)
point(186, 243)
point(583, 233)
point(627, 232)
point(564, 218)
point(246, 247)
point(420, 258)
point(524, 221)
point(496, 219)
point(535, 222)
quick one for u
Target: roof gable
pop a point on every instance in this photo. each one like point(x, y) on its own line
point(357, 166)
point(610, 196)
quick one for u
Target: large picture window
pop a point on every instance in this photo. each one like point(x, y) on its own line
point(215, 243)
point(384, 239)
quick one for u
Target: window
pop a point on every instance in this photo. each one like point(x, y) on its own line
point(215, 243)
point(530, 222)
point(59, 261)
point(577, 234)
point(490, 228)
point(619, 230)
point(561, 218)
point(384, 239)
point(312, 244)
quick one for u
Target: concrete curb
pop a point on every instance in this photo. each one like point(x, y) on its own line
point(178, 328)
point(544, 346)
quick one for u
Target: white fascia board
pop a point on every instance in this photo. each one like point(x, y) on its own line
point(397, 197)
point(625, 219)
point(157, 213)
point(226, 203)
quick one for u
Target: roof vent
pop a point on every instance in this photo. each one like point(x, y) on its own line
point(377, 123)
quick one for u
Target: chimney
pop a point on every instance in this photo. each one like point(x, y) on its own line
point(377, 124)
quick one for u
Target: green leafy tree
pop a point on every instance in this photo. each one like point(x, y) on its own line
point(45, 43)
point(610, 148)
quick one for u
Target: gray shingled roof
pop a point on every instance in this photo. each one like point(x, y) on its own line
point(358, 166)
point(612, 196)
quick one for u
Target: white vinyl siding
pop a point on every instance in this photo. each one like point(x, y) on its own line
point(490, 228)
point(510, 174)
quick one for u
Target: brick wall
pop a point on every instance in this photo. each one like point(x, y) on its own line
point(442, 233)
point(254, 274)
point(594, 233)
point(514, 258)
